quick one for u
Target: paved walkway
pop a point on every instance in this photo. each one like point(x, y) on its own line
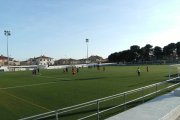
point(151, 110)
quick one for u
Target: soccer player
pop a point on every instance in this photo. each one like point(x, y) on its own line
point(147, 68)
point(139, 71)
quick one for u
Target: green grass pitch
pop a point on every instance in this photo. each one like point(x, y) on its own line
point(23, 94)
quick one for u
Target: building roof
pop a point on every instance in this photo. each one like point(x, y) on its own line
point(69, 59)
point(43, 56)
point(2, 57)
point(95, 57)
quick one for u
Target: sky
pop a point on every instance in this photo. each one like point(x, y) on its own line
point(58, 28)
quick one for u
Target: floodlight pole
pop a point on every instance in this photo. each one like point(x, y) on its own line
point(7, 33)
point(87, 41)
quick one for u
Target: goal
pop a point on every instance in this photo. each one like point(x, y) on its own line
point(174, 70)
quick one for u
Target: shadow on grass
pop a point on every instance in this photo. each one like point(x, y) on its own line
point(83, 79)
point(94, 78)
point(79, 79)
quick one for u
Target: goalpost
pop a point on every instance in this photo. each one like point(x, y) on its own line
point(174, 70)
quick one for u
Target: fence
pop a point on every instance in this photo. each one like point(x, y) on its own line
point(98, 107)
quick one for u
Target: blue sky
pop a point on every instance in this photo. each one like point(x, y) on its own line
point(58, 28)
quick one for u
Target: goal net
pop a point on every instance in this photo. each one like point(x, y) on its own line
point(174, 70)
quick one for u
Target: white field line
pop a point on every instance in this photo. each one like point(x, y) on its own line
point(29, 102)
point(44, 83)
point(26, 101)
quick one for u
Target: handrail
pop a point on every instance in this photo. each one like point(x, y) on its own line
point(57, 112)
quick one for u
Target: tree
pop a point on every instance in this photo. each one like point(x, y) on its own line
point(178, 48)
point(127, 56)
point(113, 57)
point(135, 48)
point(146, 51)
point(158, 53)
point(135, 52)
point(169, 50)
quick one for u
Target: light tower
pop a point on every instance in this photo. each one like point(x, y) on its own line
point(7, 34)
point(87, 41)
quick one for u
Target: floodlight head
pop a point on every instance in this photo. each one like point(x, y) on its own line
point(87, 40)
point(7, 33)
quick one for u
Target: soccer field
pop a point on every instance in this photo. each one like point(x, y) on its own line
point(23, 94)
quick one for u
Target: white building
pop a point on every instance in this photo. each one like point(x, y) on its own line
point(44, 60)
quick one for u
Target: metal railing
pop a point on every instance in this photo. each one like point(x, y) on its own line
point(153, 88)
